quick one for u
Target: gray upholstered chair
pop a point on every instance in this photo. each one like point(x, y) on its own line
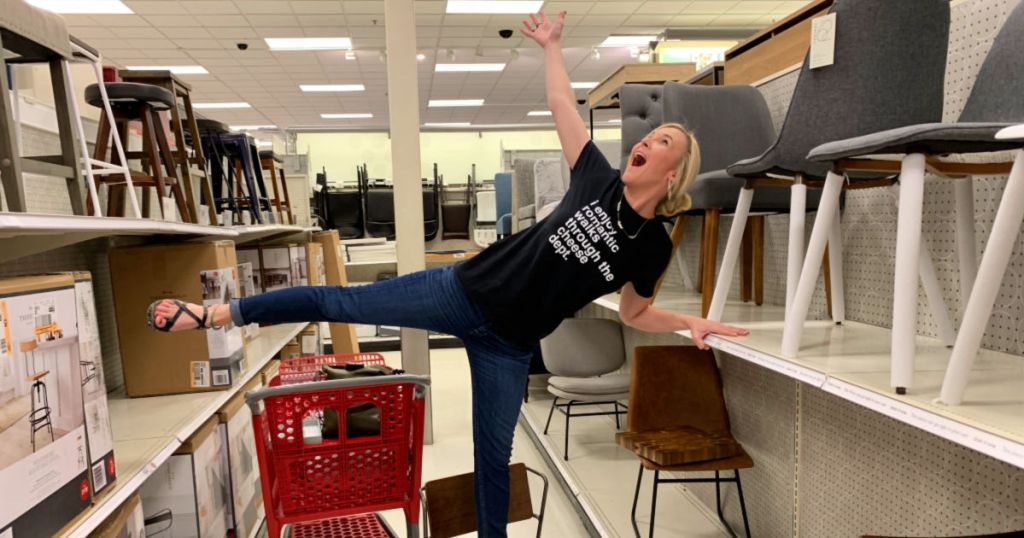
point(731, 123)
point(883, 77)
point(584, 356)
point(524, 210)
point(994, 104)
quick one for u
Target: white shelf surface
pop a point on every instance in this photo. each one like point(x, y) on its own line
point(148, 430)
point(246, 234)
point(852, 362)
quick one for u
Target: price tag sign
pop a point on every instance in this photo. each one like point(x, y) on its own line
point(823, 41)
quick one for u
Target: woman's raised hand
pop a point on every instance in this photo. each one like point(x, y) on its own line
point(543, 30)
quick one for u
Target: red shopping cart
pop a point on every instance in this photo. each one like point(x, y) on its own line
point(328, 487)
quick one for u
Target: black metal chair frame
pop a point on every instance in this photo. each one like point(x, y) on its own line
point(566, 409)
point(717, 480)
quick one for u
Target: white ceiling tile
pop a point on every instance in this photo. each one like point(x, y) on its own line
point(316, 6)
point(736, 20)
point(274, 21)
point(214, 21)
point(241, 32)
point(185, 32)
point(616, 8)
point(600, 20)
point(372, 8)
point(572, 9)
point(209, 7)
point(337, 21)
point(429, 6)
point(195, 45)
point(760, 7)
point(466, 20)
point(692, 20)
point(709, 7)
point(661, 8)
point(460, 31)
point(114, 21)
point(364, 31)
point(151, 7)
point(428, 20)
point(171, 21)
point(360, 19)
point(263, 6)
point(648, 20)
point(139, 32)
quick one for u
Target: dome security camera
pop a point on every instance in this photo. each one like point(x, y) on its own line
point(242, 46)
point(505, 33)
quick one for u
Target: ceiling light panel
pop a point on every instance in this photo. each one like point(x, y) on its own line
point(221, 105)
point(494, 6)
point(447, 124)
point(84, 7)
point(627, 41)
point(308, 43)
point(468, 68)
point(583, 85)
point(176, 69)
point(353, 116)
point(436, 103)
point(539, 113)
point(332, 87)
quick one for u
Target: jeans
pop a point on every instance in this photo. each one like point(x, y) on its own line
point(432, 300)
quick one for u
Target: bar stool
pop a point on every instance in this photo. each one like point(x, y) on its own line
point(179, 127)
point(239, 171)
point(37, 36)
point(283, 205)
point(143, 103)
point(39, 416)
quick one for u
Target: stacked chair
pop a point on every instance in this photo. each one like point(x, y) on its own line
point(457, 207)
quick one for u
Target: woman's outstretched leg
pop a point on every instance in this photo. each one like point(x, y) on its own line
point(431, 300)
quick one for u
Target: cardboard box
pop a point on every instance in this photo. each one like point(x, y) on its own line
point(290, 350)
point(127, 521)
point(269, 371)
point(192, 486)
point(98, 434)
point(156, 362)
point(343, 335)
point(300, 269)
point(251, 255)
point(246, 508)
point(310, 342)
point(276, 271)
point(44, 463)
point(247, 288)
point(315, 264)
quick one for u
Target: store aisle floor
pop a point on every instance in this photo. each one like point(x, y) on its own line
point(452, 451)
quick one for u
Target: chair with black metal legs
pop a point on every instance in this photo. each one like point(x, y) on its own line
point(677, 422)
point(583, 355)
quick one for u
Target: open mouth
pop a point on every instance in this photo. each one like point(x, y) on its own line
point(638, 160)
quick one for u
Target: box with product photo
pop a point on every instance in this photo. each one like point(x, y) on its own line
point(246, 508)
point(154, 362)
point(310, 342)
point(188, 496)
point(300, 270)
point(277, 272)
point(44, 462)
point(127, 521)
point(247, 288)
point(98, 434)
point(251, 255)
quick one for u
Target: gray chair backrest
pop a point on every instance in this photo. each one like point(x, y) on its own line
point(890, 63)
point(641, 113)
point(998, 93)
point(584, 348)
point(730, 122)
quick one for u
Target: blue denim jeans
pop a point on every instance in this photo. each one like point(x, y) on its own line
point(432, 300)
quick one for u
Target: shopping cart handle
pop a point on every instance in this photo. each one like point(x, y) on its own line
point(254, 397)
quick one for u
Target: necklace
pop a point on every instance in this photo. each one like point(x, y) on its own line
point(618, 219)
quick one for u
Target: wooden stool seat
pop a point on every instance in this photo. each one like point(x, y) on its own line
point(679, 446)
point(37, 376)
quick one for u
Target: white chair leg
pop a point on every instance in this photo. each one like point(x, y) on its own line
point(732, 252)
point(908, 251)
point(990, 276)
point(938, 304)
point(795, 250)
point(964, 191)
point(835, 263)
point(796, 315)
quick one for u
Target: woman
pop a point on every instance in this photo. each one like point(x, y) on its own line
point(599, 239)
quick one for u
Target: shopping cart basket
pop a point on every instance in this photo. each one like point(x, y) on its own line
point(331, 487)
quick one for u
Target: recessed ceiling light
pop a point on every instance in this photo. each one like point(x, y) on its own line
point(332, 87)
point(350, 55)
point(467, 68)
point(84, 7)
point(221, 105)
point(627, 40)
point(176, 69)
point(434, 103)
point(494, 6)
point(308, 43)
point(539, 113)
point(583, 85)
point(353, 116)
point(252, 127)
point(421, 56)
point(448, 124)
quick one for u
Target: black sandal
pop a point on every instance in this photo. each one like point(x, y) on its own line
point(169, 323)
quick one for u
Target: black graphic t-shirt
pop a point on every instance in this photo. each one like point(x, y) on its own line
point(527, 283)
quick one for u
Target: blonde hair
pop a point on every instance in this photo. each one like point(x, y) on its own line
point(677, 200)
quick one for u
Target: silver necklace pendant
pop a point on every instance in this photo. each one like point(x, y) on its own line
point(618, 219)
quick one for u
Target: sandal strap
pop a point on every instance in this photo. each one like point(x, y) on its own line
point(182, 307)
point(206, 315)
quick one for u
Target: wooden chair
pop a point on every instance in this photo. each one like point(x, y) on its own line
point(677, 422)
point(449, 508)
point(281, 201)
point(143, 103)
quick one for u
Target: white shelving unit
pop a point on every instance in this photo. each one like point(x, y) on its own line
point(148, 430)
point(852, 361)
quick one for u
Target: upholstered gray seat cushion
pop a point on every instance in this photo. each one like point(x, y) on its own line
point(930, 138)
point(717, 189)
point(19, 18)
point(609, 384)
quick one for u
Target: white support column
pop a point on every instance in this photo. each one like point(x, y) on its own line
point(990, 276)
point(964, 192)
point(796, 314)
point(908, 251)
point(732, 251)
point(404, 113)
point(795, 250)
point(835, 264)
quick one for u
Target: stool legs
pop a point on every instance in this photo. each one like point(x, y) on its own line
point(184, 199)
point(39, 417)
point(10, 160)
point(63, 96)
